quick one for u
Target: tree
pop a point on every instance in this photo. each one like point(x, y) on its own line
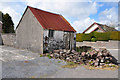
point(8, 25)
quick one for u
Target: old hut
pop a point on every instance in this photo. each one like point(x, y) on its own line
point(41, 31)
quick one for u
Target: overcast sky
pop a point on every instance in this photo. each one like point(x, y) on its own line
point(80, 13)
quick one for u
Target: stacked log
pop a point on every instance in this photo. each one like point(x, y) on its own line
point(90, 57)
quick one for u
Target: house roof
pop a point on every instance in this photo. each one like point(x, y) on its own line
point(51, 21)
point(104, 28)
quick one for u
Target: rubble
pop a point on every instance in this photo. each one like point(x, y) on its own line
point(92, 57)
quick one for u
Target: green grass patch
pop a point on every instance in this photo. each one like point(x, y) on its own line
point(70, 65)
point(41, 55)
point(49, 56)
point(59, 61)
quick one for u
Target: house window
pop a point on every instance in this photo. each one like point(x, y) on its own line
point(51, 33)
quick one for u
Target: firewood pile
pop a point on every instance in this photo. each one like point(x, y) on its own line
point(90, 57)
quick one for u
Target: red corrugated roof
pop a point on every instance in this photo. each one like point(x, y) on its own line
point(51, 21)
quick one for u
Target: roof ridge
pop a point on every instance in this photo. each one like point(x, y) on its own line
point(44, 10)
point(106, 26)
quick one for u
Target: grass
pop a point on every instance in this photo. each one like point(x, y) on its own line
point(59, 61)
point(107, 62)
point(70, 65)
point(115, 67)
point(49, 56)
point(41, 55)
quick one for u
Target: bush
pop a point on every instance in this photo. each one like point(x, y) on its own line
point(115, 35)
point(93, 39)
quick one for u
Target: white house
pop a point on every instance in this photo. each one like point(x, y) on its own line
point(99, 28)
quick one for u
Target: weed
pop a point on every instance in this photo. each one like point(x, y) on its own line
point(70, 65)
point(113, 66)
point(41, 55)
point(49, 56)
point(59, 61)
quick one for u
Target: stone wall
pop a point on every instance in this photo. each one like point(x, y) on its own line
point(111, 44)
point(60, 40)
point(9, 39)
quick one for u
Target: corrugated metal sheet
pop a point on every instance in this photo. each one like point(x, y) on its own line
point(51, 21)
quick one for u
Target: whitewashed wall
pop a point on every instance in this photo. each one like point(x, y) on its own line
point(91, 28)
point(59, 40)
point(29, 34)
point(58, 35)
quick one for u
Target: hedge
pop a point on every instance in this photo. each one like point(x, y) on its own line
point(79, 37)
point(87, 37)
point(115, 35)
point(99, 36)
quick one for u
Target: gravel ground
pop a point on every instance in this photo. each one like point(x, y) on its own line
point(81, 72)
point(18, 63)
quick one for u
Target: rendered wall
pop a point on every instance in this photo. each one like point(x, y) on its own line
point(99, 30)
point(29, 34)
point(91, 28)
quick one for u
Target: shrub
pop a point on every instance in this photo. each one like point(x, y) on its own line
point(114, 35)
point(93, 39)
point(77, 49)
